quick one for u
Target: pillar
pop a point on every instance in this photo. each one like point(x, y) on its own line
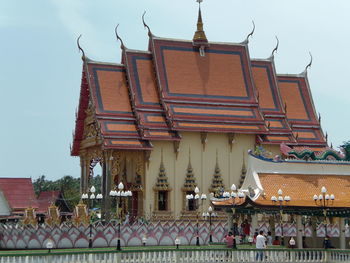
point(230, 221)
point(254, 223)
point(84, 173)
point(104, 193)
point(300, 231)
point(107, 184)
point(342, 233)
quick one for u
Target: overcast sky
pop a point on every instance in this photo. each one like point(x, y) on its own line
point(40, 66)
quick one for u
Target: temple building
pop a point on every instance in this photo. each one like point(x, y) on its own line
point(185, 113)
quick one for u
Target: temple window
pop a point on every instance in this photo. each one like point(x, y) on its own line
point(162, 189)
point(191, 203)
point(163, 200)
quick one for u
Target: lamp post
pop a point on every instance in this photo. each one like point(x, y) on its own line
point(281, 201)
point(323, 200)
point(119, 195)
point(197, 197)
point(90, 202)
point(237, 196)
point(234, 193)
point(210, 213)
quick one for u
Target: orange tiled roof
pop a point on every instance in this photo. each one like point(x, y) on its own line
point(145, 97)
point(109, 91)
point(171, 88)
point(198, 95)
point(302, 187)
point(301, 113)
point(270, 103)
point(229, 202)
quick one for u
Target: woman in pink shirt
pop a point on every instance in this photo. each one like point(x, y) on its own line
point(230, 240)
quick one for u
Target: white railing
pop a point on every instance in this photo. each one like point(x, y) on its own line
point(182, 256)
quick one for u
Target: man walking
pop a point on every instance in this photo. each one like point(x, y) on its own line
point(260, 244)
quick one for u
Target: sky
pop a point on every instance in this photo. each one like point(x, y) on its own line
point(40, 66)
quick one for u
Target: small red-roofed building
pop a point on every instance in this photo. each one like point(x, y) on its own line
point(48, 198)
point(19, 194)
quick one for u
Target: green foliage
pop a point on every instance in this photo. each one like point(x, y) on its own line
point(346, 147)
point(68, 185)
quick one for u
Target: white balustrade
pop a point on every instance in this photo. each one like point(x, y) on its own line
point(187, 256)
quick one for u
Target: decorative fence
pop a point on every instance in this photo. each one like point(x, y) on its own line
point(160, 233)
point(184, 256)
point(70, 236)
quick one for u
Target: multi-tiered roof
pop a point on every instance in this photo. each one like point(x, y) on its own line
point(200, 86)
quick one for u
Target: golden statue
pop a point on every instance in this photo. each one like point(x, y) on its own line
point(30, 217)
point(53, 216)
point(81, 215)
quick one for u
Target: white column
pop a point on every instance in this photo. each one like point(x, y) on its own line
point(342, 233)
point(299, 232)
point(229, 221)
point(254, 223)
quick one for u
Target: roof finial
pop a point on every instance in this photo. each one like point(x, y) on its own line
point(246, 41)
point(199, 37)
point(308, 65)
point(118, 37)
point(145, 25)
point(276, 47)
point(82, 50)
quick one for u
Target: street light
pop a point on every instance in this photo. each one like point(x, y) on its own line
point(234, 193)
point(119, 195)
point(237, 196)
point(197, 197)
point(323, 201)
point(280, 199)
point(91, 197)
point(209, 214)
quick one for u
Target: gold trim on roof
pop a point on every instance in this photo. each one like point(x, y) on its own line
point(199, 37)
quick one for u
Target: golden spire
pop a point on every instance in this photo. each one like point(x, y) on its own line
point(199, 36)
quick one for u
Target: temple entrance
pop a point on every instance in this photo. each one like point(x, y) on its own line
point(130, 174)
point(95, 174)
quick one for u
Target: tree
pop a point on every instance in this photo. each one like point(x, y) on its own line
point(68, 185)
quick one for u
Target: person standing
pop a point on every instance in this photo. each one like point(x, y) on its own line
point(269, 239)
point(229, 240)
point(260, 244)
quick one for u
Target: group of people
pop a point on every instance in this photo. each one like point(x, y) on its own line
point(260, 240)
point(232, 239)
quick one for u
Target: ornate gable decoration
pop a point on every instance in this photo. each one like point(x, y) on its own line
point(162, 183)
point(217, 184)
point(92, 133)
point(190, 181)
point(243, 172)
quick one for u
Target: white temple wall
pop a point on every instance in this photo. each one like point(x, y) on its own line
point(203, 162)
